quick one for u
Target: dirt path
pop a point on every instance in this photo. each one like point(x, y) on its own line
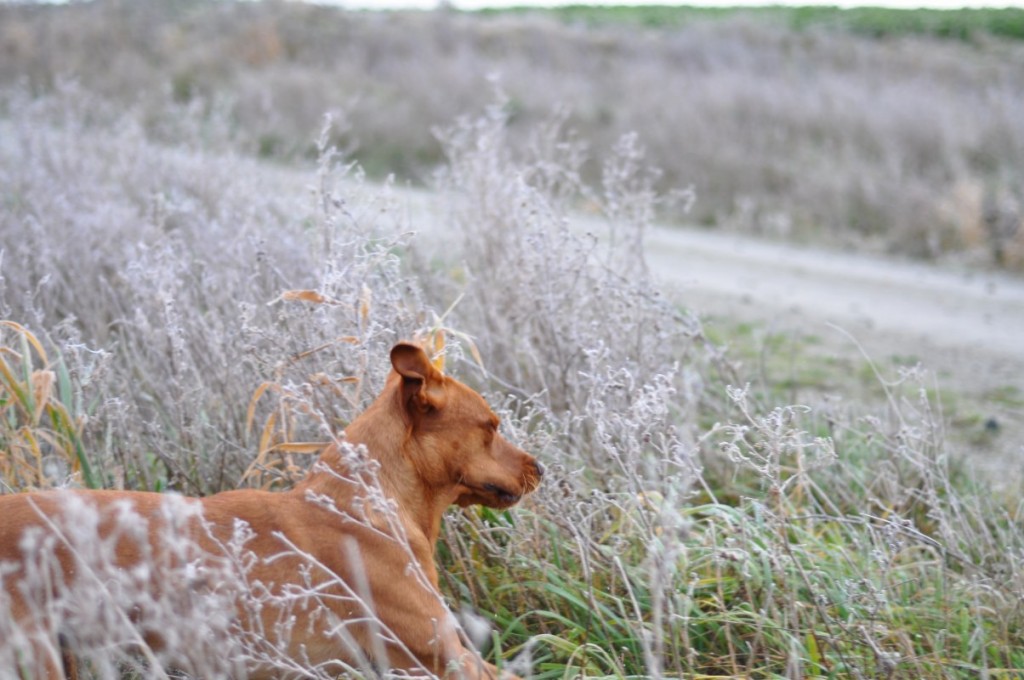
point(968, 327)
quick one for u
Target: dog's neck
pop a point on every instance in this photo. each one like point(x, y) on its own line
point(386, 438)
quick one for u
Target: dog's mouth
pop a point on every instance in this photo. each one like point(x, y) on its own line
point(504, 496)
point(491, 495)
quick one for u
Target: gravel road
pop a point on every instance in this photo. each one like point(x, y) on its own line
point(967, 327)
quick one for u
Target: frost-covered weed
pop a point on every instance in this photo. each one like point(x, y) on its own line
point(183, 268)
point(600, 367)
point(551, 305)
point(109, 614)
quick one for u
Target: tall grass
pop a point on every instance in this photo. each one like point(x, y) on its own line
point(214, 316)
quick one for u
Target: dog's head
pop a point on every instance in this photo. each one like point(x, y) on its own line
point(453, 436)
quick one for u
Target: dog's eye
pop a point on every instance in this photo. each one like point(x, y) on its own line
point(490, 431)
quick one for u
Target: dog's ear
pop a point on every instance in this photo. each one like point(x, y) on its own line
point(422, 384)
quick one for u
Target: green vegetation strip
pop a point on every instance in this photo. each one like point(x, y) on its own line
point(960, 24)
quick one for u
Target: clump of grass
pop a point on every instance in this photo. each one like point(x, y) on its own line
point(41, 429)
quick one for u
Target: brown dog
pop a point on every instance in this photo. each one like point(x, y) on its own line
point(337, 573)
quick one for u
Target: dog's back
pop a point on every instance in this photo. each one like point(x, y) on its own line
point(337, 573)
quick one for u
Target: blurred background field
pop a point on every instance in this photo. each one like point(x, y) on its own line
point(197, 270)
point(884, 130)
